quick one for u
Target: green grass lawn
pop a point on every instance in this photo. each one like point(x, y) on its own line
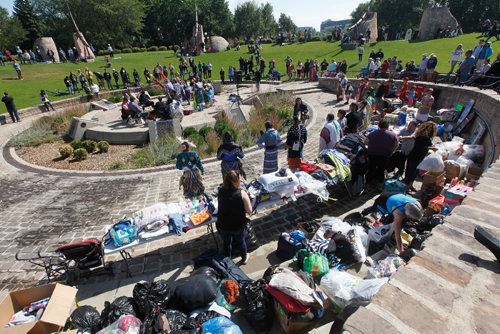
point(50, 76)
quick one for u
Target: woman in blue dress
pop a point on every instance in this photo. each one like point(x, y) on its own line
point(270, 140)
point(191, 181)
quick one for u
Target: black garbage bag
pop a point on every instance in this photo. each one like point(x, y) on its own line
point(113, 311)
point(257, 305)
point(207, 271)
point(418, 240)
point(148, 295)
point(429, 223)
point(195, 292)
point(195, 322)
point(251, 238)
point(86, 319)
point(163, 321)
point(224, 266)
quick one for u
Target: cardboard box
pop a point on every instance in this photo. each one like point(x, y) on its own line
point(285, 322)
point(62, 302)
point(434, 178)
point(452, 171)
point(473, 173)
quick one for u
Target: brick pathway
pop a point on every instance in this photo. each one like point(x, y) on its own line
point(40, 211)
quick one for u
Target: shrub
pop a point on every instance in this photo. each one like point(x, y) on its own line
point(251, 41)
point(118, 165)
point(267, 41)
point(102, 52)
point(213, 141)
point(316, 39)
point(329, 38)
point(76, 144)
point(188, 132)
point(162, 48)
point(153, 48)
point(117, 51)
point(301, 40)
point(161, 152)
point(103, 146)
point(196, 139)
point(65, 151)
point(204, 130)
point(89, 145)
point(221, 128)
point(80, 154)
point(127, 50)
point(37, 134)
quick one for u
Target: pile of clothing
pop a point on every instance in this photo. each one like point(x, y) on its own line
point(30, 313)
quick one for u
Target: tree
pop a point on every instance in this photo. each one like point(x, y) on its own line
point(247, 20)
point(11, 30)
point(269, 25)
point(471, 14)
point(359, 11)
point(25, 12)
point(285, 23)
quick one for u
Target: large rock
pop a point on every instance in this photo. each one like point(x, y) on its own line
point(435, 18)
point(367, 22)
point(45, 44)
point(218, 44)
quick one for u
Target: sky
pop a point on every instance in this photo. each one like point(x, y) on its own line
point(304, 13)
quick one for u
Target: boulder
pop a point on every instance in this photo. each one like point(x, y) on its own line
point(435, 18)
point(45, 44)
point(367, 22)
point(218, 44)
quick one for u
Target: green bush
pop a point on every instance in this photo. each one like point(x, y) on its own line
point(102, 52)
point(65, 151)
point(137, 50)
point(197, 139)
point(316, 39)
point(176, 48)
point(221, 128)
point(127, 50)
point(204, 130)
point(89, 145)
point(36, 135)
point(76, 144)
point(117, 51)
point(188, 132)
point(329, 38)
point(302, 39)
point(161, 152)
point(103, 146)
point(162, 48)
point(267, 41)
point(118, 165)
point(80, 154)
point(152, 48)
point(252, 42)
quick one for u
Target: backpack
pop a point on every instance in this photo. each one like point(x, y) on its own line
point(123, 233)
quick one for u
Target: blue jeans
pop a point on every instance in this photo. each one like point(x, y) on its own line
point(228, 237)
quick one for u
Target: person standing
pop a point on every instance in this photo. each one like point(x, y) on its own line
point(330, 134)
point(74, 82)
point(110, 50)
point(466, 67)
point(431, 67)
point(62, 56)
point(257, 78)
point(46, 101)
point(361, 51)
point(116, 77)
point(295, 140)
point(422, 67)
point(270, 140)
point(229, 153)
point(426, 103)
point(107, 78)
point(423, 142)
point(17, 67)
point(11, 107)
point(456, 57)
point(353, 120)
point(381, 144)
point(190, 164)
point(233, 206)
point(222, 75)
point(68, 84)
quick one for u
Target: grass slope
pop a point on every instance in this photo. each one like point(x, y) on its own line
point(50, 76)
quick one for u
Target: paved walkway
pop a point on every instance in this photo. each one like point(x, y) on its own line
point(40, 210)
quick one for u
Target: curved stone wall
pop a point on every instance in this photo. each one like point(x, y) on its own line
point(487, 107)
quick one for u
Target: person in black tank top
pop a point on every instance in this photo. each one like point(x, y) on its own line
point(234, 204)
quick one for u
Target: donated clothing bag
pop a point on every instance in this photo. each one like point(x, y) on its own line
point(224, 266)
point(195, 292)
point(288, 247)
point(123, 232)
point(316, 264)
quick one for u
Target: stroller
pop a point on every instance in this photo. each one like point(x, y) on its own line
point(71, 261)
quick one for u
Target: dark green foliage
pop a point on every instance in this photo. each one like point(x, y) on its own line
point(188, 132)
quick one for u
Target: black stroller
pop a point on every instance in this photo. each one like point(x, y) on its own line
point(70, 262)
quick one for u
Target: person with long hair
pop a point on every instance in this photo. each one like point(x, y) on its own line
point(423, 142)
point(46, 102)
point(191, 181)
point(233, 206)
point(229, 153)
point(295, 140)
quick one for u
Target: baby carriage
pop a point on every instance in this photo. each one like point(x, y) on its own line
point(70, 262)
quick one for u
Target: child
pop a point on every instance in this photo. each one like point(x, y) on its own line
point(411, 96)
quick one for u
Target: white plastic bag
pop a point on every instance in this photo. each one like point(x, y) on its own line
point(333, 224)
point(126, 324)
point(312, 186)
point(284, 185)
point(338, 286)
point(381, 234)
point(432, 163)
point(386, 267)
point(463, 161)
point(474, 152)
point(366, 289)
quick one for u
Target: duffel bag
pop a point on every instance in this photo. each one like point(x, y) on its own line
point(123, 233)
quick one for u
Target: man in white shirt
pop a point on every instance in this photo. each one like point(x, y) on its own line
point(330, 134)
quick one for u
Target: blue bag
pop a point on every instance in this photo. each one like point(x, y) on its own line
point(123, 233)
point(220, 325)
point(395, 185)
